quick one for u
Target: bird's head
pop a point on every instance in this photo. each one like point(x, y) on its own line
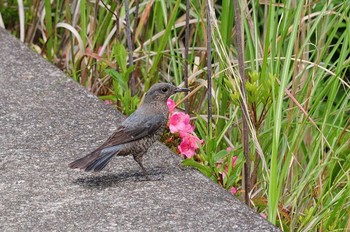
point(160, 92)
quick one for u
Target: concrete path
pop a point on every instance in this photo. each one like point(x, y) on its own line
point(48, 120)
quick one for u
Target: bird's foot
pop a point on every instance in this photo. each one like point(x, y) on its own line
point(156, 177)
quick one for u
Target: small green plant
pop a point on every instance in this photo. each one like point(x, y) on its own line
point(120, 82)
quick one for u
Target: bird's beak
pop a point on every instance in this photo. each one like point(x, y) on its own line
point(182, 90)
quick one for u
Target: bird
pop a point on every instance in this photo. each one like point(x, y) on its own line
point(136, 133)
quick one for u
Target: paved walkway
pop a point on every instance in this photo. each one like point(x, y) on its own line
point(48, 120)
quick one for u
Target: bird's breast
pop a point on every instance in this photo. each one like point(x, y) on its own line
point(142, 144)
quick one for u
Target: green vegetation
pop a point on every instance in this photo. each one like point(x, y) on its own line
point(297, 61)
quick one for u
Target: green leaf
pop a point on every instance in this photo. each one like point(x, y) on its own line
point(120, 55)
point(200, 167)
point(220, 155)
point(117, 77)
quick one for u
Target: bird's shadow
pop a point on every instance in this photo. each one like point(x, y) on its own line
point(115, 179)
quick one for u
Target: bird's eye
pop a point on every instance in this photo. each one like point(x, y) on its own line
point(165, 89)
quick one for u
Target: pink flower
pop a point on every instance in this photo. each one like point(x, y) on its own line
point(233, 190)
point(180, 122)
point(225, 171)
point(234, 159)
point(171, 105)
point(108, 102)
point(229, 149)
point(224, 174)
point(189, 144)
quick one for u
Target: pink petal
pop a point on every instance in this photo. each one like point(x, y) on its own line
point(229, 149)
point(234, 159)
point(180, 122)
point(186, 149)
point(171, 105)
point(108, 102)
point(192, 139)
point(226, 169)
point(188, 144)
point(223, 174)
point(233, 190)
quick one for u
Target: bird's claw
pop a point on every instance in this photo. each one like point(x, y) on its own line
point(157, 177)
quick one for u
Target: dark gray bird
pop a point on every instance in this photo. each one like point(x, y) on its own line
point(136, 133)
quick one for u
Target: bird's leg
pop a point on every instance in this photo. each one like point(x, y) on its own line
point(138, 159)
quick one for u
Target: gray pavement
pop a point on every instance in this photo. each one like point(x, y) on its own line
point(48, 120)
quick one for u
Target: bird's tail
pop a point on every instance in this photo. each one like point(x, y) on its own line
point(96, 160)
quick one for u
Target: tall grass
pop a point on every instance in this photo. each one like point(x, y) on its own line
point(296, 56)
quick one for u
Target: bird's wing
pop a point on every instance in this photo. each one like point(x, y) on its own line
point(134, 128)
